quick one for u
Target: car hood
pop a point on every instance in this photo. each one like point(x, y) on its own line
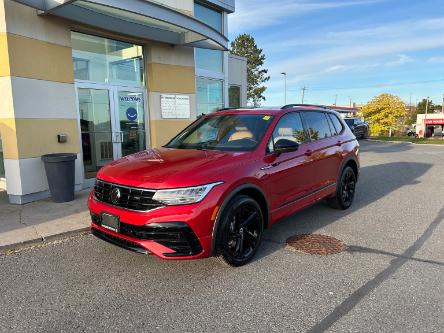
point(169, 168)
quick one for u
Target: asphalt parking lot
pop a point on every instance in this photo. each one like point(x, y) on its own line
point(391, 278)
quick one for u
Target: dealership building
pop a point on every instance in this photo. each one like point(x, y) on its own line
point(104, 79)
point(429, 122)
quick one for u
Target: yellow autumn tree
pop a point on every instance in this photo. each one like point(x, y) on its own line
point(384, 113)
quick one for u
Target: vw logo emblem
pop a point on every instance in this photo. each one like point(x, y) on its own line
point(115, 195)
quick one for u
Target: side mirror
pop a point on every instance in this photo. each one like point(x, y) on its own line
point(285, 145)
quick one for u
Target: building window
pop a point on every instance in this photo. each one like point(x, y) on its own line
point(208, 15)
point(2, 165)
point(106, 60)
point(209, 95)
point(210, 60)
point(81, 69)
point(234, 98)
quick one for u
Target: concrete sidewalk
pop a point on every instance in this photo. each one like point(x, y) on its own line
point(41, 220)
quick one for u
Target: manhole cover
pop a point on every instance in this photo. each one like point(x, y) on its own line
point(315, 244)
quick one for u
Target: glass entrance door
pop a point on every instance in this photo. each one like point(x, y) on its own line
point(112, 124)
point(130, 120)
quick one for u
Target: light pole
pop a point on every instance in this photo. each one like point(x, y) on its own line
point(285, 87)
point(425, 117)
point(303, 94)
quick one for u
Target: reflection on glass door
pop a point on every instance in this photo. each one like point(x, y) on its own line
point(131, 121)
point(96, 129)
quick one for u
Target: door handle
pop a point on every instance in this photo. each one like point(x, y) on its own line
point(308, 152)
point(339, 143)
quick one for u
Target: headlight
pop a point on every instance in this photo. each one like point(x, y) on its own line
point(183, 195)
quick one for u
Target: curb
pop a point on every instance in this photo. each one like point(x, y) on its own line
point(409, 142)
point(42, 240)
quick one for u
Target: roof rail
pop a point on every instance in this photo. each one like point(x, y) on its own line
point(289, 106)
point(225, 109)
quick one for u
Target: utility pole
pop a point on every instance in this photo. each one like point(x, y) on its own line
point(303, 93)
point(442, 105)
point(350, 101)
point(285, 87)
point(427, 106)
point(336, 99)
point(425, 117)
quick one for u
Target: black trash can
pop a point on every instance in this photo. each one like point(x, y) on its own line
point(60, 172)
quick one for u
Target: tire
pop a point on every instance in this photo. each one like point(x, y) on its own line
point(240, 232)
point(365, 135)
point(345, 191)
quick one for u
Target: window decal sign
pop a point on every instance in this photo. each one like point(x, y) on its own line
point(131, 114)
point(130, 99)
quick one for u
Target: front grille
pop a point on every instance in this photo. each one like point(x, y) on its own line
point(177, 236)
point(130, 197)
point(126, 244)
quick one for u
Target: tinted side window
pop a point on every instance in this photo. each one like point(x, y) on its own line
point(289, 127)
point(337, 123)
point(317, 125)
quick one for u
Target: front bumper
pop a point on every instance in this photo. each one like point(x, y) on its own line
point(154, 232)
point(177, 238)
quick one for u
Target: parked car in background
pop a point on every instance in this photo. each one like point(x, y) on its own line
point(411, 132)
point(359, 128)
point(218, 184)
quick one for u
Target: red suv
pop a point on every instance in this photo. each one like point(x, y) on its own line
point(218, 184)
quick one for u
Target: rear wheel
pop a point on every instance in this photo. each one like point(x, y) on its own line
point(345, 192)
point(241, 229)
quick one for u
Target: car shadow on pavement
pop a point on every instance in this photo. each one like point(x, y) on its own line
point(375, 182)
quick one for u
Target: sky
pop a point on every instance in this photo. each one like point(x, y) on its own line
point(355, 49)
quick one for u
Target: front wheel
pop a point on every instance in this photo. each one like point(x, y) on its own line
point(345, 192)
point(241, 231)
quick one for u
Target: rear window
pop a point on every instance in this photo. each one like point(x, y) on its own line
point(336, 123)
point(317, 125)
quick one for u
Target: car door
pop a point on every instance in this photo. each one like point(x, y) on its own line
point(287, 173)
point(323, 150)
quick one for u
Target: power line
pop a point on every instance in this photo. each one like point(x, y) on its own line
point(381, 85)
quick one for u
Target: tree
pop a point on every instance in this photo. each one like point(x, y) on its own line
point(384, 113)
point(245, 46)
point(421, 108)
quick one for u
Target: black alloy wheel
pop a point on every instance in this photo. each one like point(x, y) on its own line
point(241, 231)
point(345, 192)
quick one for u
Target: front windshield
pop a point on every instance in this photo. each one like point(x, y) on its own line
point(231, 132)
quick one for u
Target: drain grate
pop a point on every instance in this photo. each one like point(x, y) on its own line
point(316, 244)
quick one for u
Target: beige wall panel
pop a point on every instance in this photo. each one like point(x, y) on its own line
point(2, 16)
point(43, 99)
point(35, 59)
point(13, 177)
point(163, 131)
point(6, 103)
point(37, 137)
point(4, 56)
point(23, 20)
point(9, 137)
point(171, 78)
point(154, 105)
point(170, 54)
